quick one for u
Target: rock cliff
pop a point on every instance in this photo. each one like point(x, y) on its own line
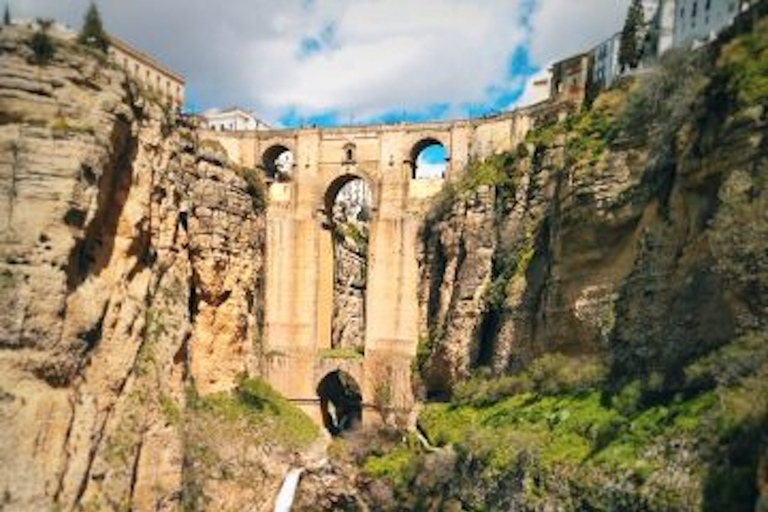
point(130, 257)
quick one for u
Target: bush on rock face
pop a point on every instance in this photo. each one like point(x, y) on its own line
point(41, 43)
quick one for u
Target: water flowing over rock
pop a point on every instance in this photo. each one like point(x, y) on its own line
point(284, 500)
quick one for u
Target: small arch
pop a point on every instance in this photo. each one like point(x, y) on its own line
point(429, 159)
point(349, 153)
point(341, 402)
point(277, 162)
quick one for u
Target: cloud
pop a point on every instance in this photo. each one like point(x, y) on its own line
point(560, 28)
point(338, 60)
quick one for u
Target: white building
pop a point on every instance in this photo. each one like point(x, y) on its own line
point(232, 119)
point(605, 66)
point(699, 21)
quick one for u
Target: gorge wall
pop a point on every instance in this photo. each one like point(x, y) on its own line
point(129, 269)
point(593, 303)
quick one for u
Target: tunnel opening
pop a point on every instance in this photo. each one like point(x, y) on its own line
point(277, 162)
point(341, 402)
point(348, 204)
point(429, 159)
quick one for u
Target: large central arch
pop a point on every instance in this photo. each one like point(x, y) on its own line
point(348, 203)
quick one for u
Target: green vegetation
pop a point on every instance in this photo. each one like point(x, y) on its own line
point(266, 413)
point(630, 47)
point(41, 43)
point(550, 374)
point(496, 171)
point(341, 353)
point(255, 188)
point(554, 431)
point(744, 66)
point(586, 135)
point(170, 410)
point(251, 422)
point(399, 466)
point(355, 233)
point(663, 100)
point(92, 34)
point(61, 127)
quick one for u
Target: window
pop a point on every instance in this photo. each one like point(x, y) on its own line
point(708, 5)
point(682, 12)
point(349, 153)
point(693, 10)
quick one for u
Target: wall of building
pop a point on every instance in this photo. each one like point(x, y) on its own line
point(235, 120)
point(701, 20)
point(570, 78)
point(606, 62)
point(149, 76)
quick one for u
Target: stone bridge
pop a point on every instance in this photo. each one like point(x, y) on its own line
point(299, 250)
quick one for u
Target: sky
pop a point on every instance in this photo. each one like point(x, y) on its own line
point(332, 62)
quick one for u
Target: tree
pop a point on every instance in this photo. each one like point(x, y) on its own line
point(41, 43)
point(92, 33)
point(7, 15)
point(630, 48)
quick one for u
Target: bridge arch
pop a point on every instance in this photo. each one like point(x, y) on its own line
point(429, 158)
point(339, 182)
point(278, 161)
point(341, 402)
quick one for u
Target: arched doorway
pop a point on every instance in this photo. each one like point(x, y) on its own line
point(429, 159)
point(348, 207)
point(277, 162)
point(341, 402)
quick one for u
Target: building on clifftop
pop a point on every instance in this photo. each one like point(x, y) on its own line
point(148, 72)
point(232, 119)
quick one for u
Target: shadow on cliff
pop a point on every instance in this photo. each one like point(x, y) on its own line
point(93, 251)
point(731, 480)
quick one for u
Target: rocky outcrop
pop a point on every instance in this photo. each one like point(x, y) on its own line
point(130, 268)
point(350, 275)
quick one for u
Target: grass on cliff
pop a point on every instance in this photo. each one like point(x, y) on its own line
point(263, 412)
point(555, 429)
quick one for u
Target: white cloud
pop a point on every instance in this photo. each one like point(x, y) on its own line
point(377, 56)
point(391, 55)
point(560, 28)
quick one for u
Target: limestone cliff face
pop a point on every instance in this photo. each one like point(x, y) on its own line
point(595, 251)
point(129, 269)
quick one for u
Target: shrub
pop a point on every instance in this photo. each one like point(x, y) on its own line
point(263, 409)
point(41, 43)
point(92, 33)
point(255, 188)
point(550, 374)
point(744, 62)
point(663, 99)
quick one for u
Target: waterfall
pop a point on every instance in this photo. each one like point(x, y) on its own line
point(287, 492)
